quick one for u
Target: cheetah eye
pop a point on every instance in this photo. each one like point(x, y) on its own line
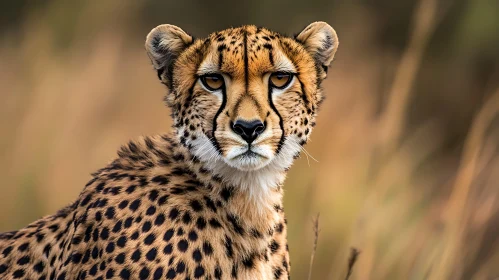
point(212, 81)
point(280, 80)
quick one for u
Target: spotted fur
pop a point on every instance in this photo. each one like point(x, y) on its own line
point(182, 206)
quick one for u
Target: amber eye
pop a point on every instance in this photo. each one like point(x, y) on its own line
point(280, 80)
point(212, 81)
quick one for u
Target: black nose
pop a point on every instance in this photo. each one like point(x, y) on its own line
point(248, 130)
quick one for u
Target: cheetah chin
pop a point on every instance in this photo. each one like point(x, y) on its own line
point(257, 176)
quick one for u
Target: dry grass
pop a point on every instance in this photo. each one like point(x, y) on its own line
point(354, 254)
point(315, 224)
point(381, 186)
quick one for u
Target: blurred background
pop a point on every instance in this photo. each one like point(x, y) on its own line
point(405, 163)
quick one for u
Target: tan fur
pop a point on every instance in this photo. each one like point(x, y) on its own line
point(174, 206)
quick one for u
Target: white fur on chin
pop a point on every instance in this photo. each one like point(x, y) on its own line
point(257, 182)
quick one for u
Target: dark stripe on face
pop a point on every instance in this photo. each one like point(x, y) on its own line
point(303, 94)
point(271, 57)
point(170, 67)
point(246, 69)
point(220, 59)
point(221, 50)
point(281, 122)
point(198, 52)
point(201, 54)
point(222, 107)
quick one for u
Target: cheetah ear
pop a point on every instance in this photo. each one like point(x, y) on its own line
point(320, 39)
point(163, 45)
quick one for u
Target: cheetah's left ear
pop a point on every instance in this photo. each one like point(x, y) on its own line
point(163, 45)
point(320, 39)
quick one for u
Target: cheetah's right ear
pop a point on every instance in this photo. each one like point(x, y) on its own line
point(163, 45)
point(320, 40)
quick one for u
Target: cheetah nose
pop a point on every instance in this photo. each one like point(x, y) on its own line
point(248, 130)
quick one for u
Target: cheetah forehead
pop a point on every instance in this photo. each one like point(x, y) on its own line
point(247, 50)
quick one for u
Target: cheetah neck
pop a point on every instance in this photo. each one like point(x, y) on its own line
point(259, 190)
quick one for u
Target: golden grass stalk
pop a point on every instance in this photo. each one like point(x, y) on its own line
point(315, 223)
point(393, 118)
point(354, 254)
point(457, 212)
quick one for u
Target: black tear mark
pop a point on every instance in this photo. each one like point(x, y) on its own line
point(281, 122)
point(213, 138)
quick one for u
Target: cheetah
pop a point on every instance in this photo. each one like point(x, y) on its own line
point(204, 202)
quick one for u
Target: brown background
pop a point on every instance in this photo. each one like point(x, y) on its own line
point(404, 161)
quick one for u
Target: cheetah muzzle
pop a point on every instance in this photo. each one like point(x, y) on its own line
point(204, 202)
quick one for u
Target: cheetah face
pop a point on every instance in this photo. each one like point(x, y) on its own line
point(244, 96)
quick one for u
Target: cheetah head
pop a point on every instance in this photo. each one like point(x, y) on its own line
point(244, 99)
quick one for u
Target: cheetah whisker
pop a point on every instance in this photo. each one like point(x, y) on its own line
point(308, 154)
